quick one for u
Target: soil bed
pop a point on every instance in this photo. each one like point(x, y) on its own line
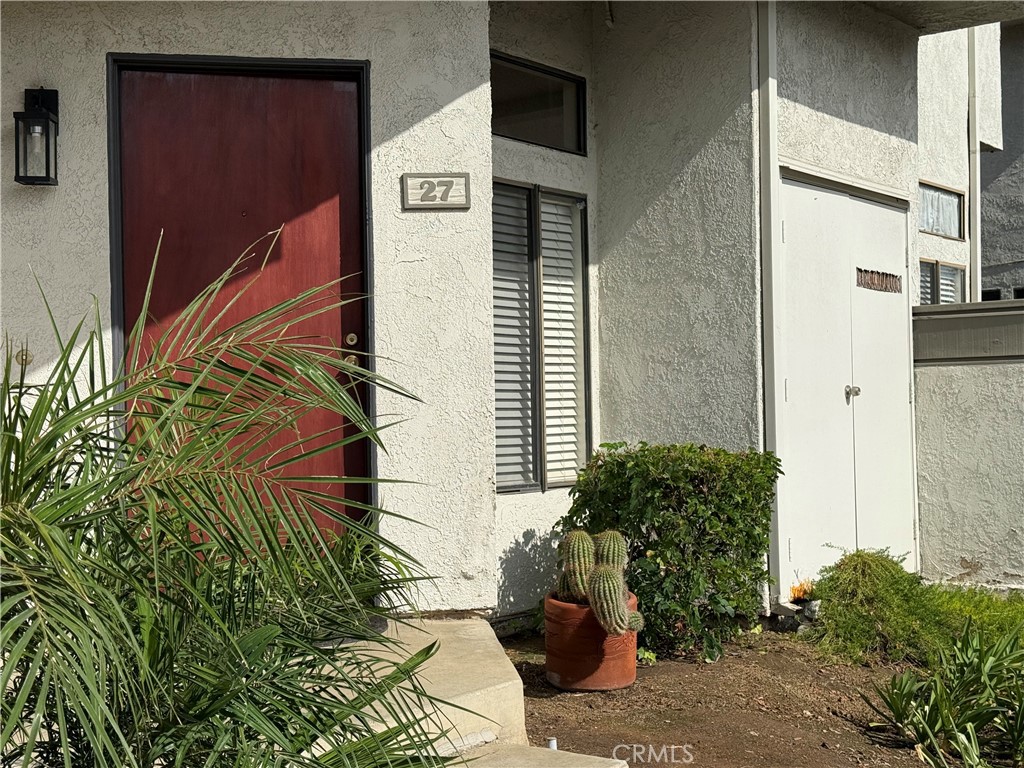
point(770, 701)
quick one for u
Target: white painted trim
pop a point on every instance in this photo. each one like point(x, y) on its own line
point(871, 189)
point(912, 394)
point(973, 232)
point(772, 282)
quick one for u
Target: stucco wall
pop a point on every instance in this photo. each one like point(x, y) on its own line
point(677, 222)
point(970, 452)
point(987, 53)
point(557, 35)
point(847, 92)
point(430, 111)
point(1002, 178)
point(942, 73)
point(848, 100)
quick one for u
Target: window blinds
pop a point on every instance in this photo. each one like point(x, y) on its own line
point(539, 367)
point(513, 341)
point(563, 338)
point(941, 283)
point(951, 284)
point(927, 281)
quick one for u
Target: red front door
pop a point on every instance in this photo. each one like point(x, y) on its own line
point(217, 161)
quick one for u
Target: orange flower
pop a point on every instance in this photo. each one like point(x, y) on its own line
point(803, 590)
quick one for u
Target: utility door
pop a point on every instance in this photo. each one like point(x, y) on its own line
point(218, 160)
point(817, 505)
point(882, 407)
point(847, 452)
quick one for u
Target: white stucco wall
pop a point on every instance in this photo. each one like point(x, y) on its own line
point(942, 73)
point(970, 453)
point(847, 93)
point(848, 101)
point(1002, 178)
point(989, 87)
point(556, 35)
point(430, 111)
point(677, 222)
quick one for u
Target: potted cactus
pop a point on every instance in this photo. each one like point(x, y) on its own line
point(590, 620)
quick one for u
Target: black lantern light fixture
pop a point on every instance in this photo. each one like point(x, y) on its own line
point(35, 138)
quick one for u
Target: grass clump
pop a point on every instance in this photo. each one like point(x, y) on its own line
point(873, 609)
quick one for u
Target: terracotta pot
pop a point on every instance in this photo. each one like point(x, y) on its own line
point(581, 656)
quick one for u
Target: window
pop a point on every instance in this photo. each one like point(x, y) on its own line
point(991, 294)
point(541, 430)
point(941, 283)
point(1018, 293)
point(536, 104)
point(941, 212)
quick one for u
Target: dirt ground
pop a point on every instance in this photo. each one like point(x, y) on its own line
point(770, 701)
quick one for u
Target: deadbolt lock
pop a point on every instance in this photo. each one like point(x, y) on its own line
point(351, 339)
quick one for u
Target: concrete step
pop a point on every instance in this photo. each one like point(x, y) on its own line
point(520, 756)
point(469, 670)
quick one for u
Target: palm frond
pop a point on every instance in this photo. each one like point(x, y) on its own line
point(166, 589)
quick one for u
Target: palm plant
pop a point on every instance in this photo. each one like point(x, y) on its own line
point(164, 581)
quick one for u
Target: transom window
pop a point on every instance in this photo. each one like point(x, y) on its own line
point(537, 104)
point(541, 430)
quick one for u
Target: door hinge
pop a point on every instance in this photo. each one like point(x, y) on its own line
point(789, 544)
point(783, 230)
point(785, 390)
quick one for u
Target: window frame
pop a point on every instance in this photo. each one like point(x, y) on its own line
point(963, 211)
point(581, 102)
point(534, 193)
point(934, 265)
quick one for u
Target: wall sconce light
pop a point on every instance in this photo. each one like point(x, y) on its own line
point(35, 138)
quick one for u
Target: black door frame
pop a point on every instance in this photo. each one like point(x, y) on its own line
point(321, 69)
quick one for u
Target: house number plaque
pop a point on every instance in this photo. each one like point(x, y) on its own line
point(435, 190)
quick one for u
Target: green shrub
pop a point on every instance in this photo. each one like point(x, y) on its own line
point(992, 613)
point(971, 707)
point(698, 522)
point(872, 608)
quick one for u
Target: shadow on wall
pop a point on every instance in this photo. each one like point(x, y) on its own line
point(676, 200)
point(849, 62)
point(526, 571)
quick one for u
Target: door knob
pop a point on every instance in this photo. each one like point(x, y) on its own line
point(351, 360)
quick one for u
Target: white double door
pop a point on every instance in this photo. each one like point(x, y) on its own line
point(846, 441)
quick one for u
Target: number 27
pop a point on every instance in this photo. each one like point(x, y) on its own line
point(428, 189)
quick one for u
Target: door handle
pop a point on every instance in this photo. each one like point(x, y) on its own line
point(851, 392)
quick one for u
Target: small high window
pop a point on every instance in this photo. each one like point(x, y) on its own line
point(536, 104)
point(991, 294)
point(942, 283)
point(941, 212)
